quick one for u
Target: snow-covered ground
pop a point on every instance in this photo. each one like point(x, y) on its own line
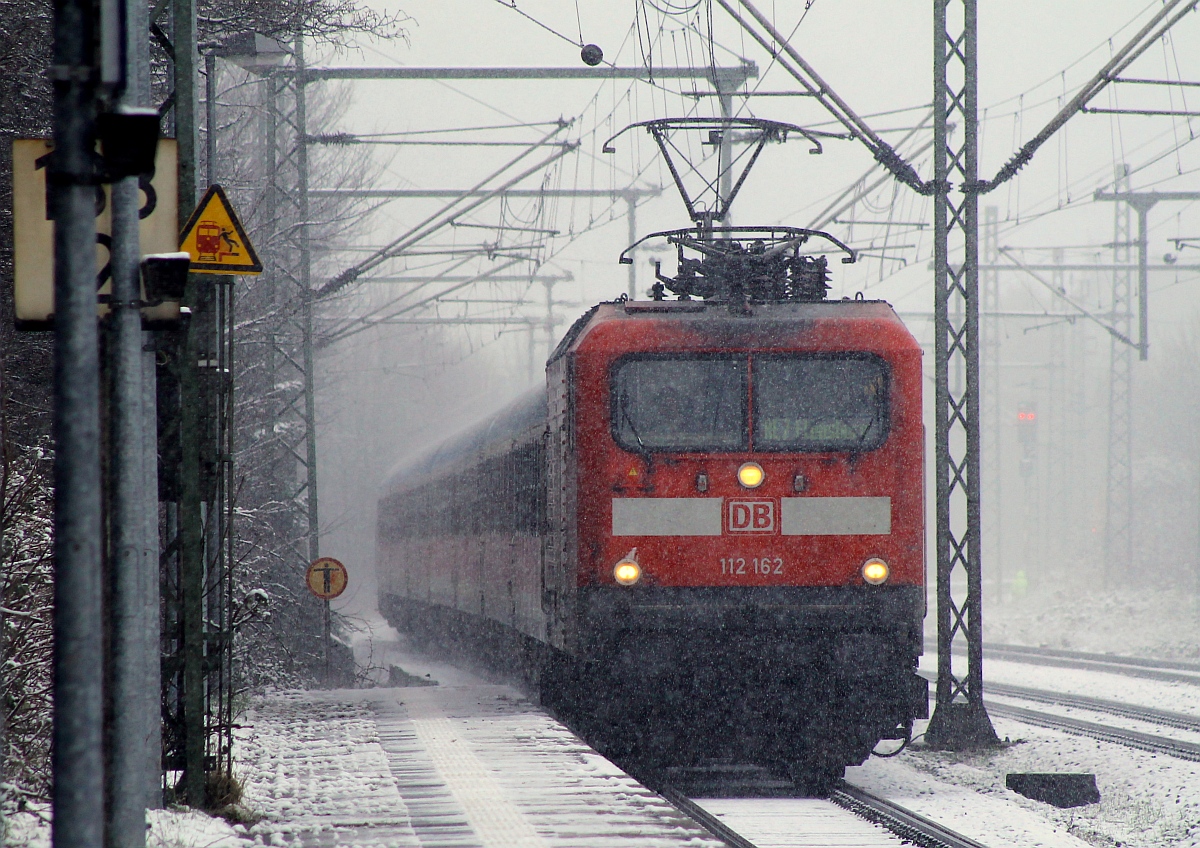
point(321, 768)
point(465, 762)
point(1136, 621)
point(167, 829)
point(1156, 694)
point(1147, 800)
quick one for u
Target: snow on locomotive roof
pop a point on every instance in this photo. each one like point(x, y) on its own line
point(700, 310)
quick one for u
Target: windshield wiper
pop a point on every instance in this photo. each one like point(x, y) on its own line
point(875, 419)
point(629, 420)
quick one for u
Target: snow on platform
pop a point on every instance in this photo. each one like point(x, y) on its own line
point(461, 764)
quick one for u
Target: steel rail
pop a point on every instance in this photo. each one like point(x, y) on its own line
point(1150, 715)
point(1165, 718)
point(1169, 671)
point(1112, 665)
point(1143, 662)
point(905, 824)
point(704, 818)
point(1090, 729)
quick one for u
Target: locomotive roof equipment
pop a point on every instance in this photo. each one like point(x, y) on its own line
point(740, 265)
point(737, 265)
point(719, 131)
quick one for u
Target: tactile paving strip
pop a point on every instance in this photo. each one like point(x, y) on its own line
point(480, 763)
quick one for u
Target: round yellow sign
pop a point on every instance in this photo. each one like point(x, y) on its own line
point(326, 578)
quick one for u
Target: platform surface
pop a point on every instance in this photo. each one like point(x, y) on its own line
point(464, 763)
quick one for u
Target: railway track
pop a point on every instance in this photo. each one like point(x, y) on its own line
point(720, 815)
point(844, 817)
point(1164, 718)
point(1172, 671)
point(903, 823)
point(1094, 730)
point(1169, 671)
point(1084, 656)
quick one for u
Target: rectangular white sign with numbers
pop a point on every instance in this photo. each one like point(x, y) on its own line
point(33, 232)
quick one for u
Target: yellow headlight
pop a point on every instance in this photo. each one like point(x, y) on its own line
point(751, 475)
point(627, 572)
point(875, 571)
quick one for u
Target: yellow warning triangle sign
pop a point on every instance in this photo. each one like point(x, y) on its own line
point(215, 239)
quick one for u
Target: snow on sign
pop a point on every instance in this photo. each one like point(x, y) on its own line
point(215, 239)
point(326, 578)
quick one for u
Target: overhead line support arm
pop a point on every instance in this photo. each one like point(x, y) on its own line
point(1123, 58)
point(444, 217)
point(749, 69)
point(812, 82)
point(439, 193)
point(1083, 312)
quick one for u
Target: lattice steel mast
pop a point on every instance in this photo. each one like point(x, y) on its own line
point(1118, 529)
point(960, 718)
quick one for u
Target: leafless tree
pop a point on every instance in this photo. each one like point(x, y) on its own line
point(26, 496)
point(282, 643)
point(329, 21)
point(27, 594)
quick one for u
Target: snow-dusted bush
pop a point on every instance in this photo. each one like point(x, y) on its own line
point(27, 595)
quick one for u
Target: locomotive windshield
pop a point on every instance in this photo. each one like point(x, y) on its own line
point(681, 404)
point(803, 403)
point(829, 403)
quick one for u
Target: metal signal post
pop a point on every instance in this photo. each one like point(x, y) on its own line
point(78, 762)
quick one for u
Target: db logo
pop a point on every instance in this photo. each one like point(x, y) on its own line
point(751, 516)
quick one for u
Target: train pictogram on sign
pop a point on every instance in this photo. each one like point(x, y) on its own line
point(216, 240)
point(326, 578)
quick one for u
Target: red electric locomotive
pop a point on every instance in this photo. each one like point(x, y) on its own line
point(705, 538)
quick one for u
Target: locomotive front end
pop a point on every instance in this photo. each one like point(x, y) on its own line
point(749, 538)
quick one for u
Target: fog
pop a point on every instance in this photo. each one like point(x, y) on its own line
point(391, 390)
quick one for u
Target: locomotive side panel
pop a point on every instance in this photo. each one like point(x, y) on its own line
point(559, 557)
